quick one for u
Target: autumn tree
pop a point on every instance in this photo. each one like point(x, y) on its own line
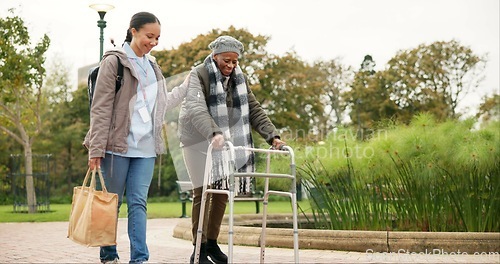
point(22, 98)
point(189, 54)
point(489, 109)
point(290, 90)
point(287, 87)
point(176, 62)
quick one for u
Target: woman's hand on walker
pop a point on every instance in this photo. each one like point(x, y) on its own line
point(218, 141)
point(278, 144)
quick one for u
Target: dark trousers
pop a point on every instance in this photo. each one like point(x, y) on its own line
point(194, 158)
point(214, 213)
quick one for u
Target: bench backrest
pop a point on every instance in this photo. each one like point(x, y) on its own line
point(184, 186)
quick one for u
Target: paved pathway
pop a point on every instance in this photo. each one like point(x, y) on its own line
point(47, 243)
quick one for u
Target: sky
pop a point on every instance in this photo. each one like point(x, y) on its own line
point(314, 29)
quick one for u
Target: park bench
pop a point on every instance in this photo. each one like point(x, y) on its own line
point(185, 192)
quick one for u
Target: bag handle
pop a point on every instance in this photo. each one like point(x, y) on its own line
point(92, 180)
point(86, 179)
point(103, 185)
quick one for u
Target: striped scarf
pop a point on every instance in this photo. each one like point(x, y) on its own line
point(235, 128)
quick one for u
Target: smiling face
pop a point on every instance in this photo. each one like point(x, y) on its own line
point(145, 38)
point(226, 62)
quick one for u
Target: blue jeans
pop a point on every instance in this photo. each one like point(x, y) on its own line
point(133, 175)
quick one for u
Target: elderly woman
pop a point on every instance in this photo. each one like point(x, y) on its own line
point(219, 106)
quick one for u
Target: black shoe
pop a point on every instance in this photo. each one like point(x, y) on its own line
point(203, 255)
point(214, 252)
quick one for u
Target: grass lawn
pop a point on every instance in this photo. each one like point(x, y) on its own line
point(60, 212)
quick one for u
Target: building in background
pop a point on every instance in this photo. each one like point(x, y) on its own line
point(83, 73)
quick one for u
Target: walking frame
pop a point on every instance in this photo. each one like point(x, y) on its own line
point(285, 150)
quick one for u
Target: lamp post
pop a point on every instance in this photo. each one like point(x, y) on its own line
point(101, 10)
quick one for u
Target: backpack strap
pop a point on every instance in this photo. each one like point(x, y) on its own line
point(91, 83)
point(119, 76)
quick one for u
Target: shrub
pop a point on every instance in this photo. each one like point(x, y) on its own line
point(427, 176)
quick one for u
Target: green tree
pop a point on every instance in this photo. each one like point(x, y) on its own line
point(360, 97)
point(67, 123)
point(7, 147)
point(369, 98)
point(338, 79)
point(22, 99)
point(434, 78)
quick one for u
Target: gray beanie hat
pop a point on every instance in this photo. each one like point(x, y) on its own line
point(226, 44)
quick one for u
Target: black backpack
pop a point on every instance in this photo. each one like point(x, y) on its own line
point(93, 77)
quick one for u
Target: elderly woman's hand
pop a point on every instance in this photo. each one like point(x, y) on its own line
point(218, 141)
point(278, 144)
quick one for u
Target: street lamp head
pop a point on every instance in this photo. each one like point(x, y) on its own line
point(102, 9)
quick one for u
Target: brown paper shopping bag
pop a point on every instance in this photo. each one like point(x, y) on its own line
point(94, 214)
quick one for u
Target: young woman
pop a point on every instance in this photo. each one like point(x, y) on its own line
point(125, 127)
